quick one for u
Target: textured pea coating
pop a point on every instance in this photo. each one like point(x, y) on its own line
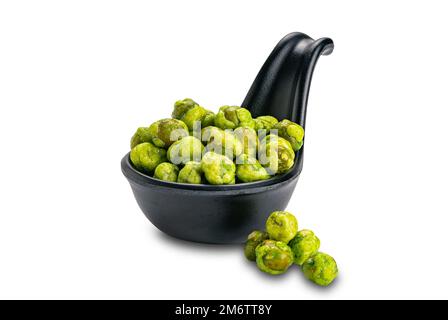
point(218, 169)
point(146, 157)
point(304, 245)
point(182, 106)
point(248, 169)
point(292, 132)
point(265, 122)
point(165, 132)
point(141, 135)
point(282, 226)
point(186, 149)
point(212, 134)
point(276, 154)
point(191, 173)
point(223, 142)
point(231, 117)
point(248, 139)
point(321, 268)
point(273, 257)
point(190, 112)
point(254, 239)
point(166, 171)
point(208, 119)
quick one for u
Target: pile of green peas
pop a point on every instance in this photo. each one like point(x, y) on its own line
point(197, 146)
point(282, 244)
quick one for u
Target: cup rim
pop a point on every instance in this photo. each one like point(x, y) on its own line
point(143, 179)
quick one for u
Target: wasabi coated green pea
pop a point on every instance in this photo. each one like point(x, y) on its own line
point(212, 134)
point(218, 169)
point(190, 112)
point(146, 157)
point(304, 245)
point(273, 257)
point(221, 142)
point(191, 173)
point(292, 132)
point(182, 106)
point(281, 226)
point(141, 135)
point(208, 119)
point(253, 240)
point(232, 146)
point(248, 169)
point(165, 132)
point(231, 117)
point(321, 269)
point(276, 154)
point(265, 122)
point(166, 171)
point(186, 149)
point(247, 137)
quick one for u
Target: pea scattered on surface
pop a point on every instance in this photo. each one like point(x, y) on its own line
point(321, 268)
point(281, 245)
point(281, 226)
point(273, 257)
point(304, 245)
point(254, 239)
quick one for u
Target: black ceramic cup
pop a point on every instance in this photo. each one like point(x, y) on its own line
point(227, 214)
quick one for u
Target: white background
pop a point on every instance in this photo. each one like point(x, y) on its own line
point(77, 78)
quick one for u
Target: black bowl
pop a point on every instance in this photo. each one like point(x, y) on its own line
point(227, 214)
